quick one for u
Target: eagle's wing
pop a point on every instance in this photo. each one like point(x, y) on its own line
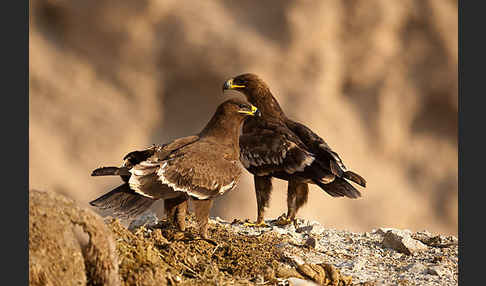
point(199, 170)
point(136, 157)
point(326, 157)
point(272, 148)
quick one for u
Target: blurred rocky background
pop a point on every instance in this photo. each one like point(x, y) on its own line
point(376, 79)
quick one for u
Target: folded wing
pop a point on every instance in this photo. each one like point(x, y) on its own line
point(268, 150)
point(186, 170)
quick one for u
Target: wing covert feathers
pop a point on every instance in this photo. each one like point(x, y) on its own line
point(264, 151)
point(191, 174)
point(186, 170)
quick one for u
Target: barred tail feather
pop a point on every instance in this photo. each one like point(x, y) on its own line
point(123, 202)
point(339, 188)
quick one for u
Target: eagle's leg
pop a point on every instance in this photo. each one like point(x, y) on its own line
point(201, 210)
point(170, 209)
point(180, 215)
point(263, 189)
point(297, 194)
point(302, 193)
point(176, 210)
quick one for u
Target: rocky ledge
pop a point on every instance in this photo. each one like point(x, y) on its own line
point(304, 253)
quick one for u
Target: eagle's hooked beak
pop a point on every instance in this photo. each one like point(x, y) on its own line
point(254, 111)
point(229, 85)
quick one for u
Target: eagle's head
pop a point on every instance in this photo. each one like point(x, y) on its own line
point(257, 93)
point(249, 84)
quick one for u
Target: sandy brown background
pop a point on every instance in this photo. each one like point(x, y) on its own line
point(376, 79)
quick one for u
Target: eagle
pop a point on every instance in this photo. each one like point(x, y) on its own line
point(274, 146)
point(197, 168)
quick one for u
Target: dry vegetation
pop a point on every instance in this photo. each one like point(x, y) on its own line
point(148, 258)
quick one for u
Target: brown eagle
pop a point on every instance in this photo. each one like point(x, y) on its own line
point(199, 167)
point(275, 146)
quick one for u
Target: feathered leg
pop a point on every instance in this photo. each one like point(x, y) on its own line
point(263, 189)
point(176, 210)
point(180, 215)
point(297, 193)
point(201, 210)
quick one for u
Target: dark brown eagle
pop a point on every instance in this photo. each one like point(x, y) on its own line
point(275, 146)
point(199, 167)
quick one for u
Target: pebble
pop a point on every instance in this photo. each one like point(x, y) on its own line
point(402, 242)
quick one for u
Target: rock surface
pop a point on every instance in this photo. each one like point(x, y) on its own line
point(418, 258)
point(402, 242)
point(59, 252)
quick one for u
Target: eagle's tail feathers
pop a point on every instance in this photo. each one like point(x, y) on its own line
point(339, 188)
point(123, 202)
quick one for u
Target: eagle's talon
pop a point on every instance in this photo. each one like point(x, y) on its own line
point(283, 221)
